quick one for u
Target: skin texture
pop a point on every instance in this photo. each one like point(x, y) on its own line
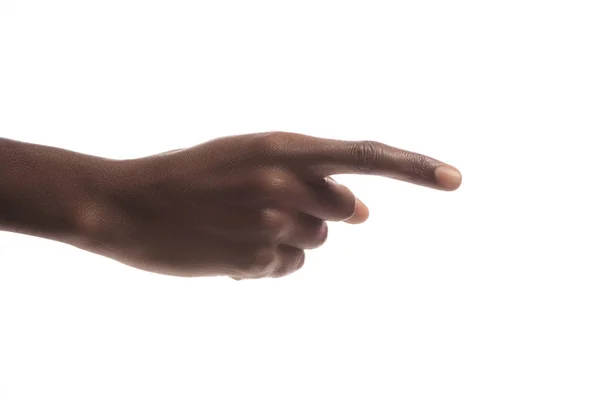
point(244, 206)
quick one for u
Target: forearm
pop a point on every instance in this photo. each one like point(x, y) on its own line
point(45, 191)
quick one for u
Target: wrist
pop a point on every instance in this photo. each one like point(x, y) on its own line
point(95, 220)
point(46, 191)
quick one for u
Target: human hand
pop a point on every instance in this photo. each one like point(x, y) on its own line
point(243, 206)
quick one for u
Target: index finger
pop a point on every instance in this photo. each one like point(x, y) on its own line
point(331, 157)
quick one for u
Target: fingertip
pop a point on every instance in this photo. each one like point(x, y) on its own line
point(361, 213)
point(448, 177)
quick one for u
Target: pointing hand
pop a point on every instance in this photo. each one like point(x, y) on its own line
point(244, 206)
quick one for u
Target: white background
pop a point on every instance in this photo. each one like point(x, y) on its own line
point(490, 292)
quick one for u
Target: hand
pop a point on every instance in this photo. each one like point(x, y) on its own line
point(243, 206)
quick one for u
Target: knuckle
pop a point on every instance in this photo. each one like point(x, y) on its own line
point(273, 223)
point(261, 262)
point(271, 143)
point(271, 184)
point(322, 235)
point(264, 261)
point(317, 236)
point(366, 153)
point(298, 262)
point(272, 181)
point(292, 266)
point(301, 261)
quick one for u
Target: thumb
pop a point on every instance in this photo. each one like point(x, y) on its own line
point(361, 211)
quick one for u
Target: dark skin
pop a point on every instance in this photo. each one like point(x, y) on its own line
point(244, 206)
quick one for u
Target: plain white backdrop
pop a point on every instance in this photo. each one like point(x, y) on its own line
point(490, 292)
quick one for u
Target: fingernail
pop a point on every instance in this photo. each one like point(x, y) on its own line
point(448, 177)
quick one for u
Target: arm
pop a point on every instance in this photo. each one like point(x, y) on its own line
point(44, 191)
point(244, 206)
